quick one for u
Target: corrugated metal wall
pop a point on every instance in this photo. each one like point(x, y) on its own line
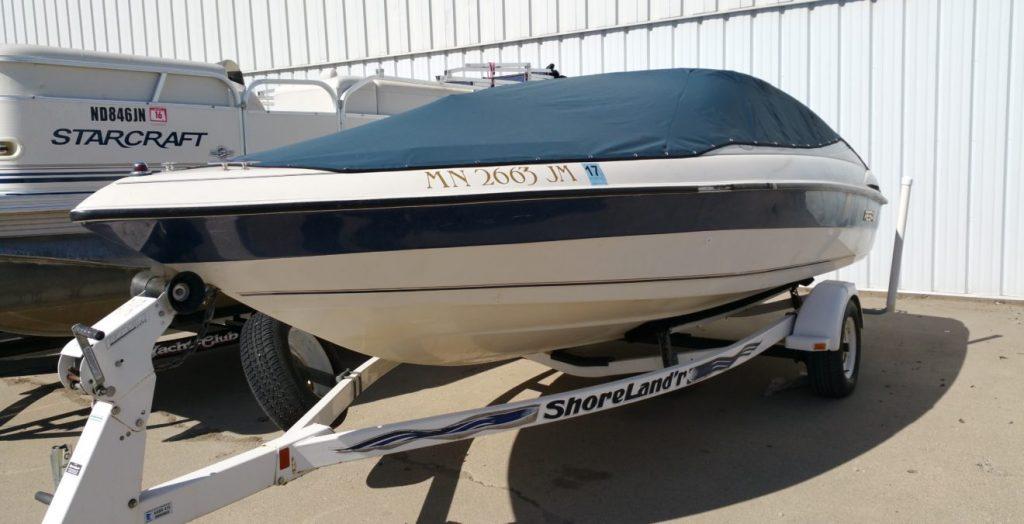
point(932, 89)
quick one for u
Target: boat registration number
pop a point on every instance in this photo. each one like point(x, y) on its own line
point(503, 176)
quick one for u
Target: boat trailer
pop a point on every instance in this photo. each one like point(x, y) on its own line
point(112, 361)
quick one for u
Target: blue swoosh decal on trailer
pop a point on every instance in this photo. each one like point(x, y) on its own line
point(469, 426)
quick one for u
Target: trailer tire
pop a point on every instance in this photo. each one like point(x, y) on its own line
point(280, 379)
point(834, 374)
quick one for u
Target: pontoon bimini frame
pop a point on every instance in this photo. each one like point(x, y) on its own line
point(102, 479)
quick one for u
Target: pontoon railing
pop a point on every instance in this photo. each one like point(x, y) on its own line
point(250, 91)
point(163, 71)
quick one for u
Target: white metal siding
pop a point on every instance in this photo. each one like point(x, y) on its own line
point(932, 89)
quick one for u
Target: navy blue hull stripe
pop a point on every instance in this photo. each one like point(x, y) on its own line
point(442, 200)
point(73, 247)
point(51, 193)
point(44, 177)
point(312, 233)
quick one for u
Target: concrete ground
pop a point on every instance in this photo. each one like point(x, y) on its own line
point(934, 433)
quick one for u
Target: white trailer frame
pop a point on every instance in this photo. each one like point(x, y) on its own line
point(102, 480)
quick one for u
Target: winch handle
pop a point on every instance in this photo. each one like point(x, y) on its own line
point(82, 334)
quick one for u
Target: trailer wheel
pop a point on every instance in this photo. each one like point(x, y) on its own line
point(834, 373)
point(288, 370)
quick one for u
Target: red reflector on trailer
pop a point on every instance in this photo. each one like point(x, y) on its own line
point(819, 346)
point(284, 458)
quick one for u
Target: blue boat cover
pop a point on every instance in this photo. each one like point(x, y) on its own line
point(643, 114)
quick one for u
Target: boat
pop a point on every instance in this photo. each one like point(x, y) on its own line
point(518, 220)
point(73, 121)
point(512, 222)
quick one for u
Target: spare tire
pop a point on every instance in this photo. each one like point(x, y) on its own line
point(289, 370)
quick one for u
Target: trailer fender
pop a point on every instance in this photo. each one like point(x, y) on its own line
point(820, 318)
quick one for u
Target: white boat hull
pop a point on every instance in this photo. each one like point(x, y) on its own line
point(503, 301)
point(403, 266)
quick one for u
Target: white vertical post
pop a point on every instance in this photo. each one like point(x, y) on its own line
point(897, 246)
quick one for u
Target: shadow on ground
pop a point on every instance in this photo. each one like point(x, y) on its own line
point(208, 385)
point(717, 444)
point(203, 389)
point(208, 388)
